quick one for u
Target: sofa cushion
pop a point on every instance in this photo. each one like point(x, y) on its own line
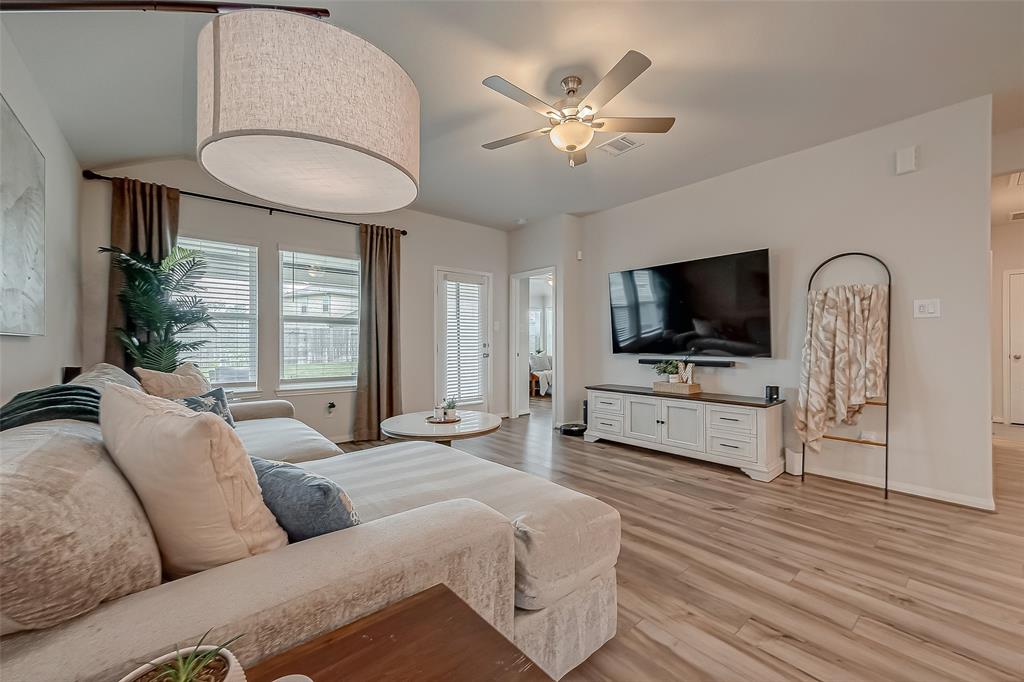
point(101, 374)
point(305, 504)
point(193, 477)
point(73, 533)
point(284, 440)
point(184, 382)
point(564, 539)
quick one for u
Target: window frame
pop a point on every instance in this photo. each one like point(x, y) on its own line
point(240, 387)
point(299, 385)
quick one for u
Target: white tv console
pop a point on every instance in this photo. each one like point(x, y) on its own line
point(733, 430)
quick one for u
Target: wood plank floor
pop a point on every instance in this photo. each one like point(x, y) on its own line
point(724, 578)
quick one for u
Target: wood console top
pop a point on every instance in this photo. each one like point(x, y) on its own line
point(721, 398)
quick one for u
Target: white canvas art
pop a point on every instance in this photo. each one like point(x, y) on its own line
point(22, 199)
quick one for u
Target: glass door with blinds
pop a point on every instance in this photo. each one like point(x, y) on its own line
point(463, 342)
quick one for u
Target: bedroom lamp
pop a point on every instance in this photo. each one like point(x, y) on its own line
point(305, 114)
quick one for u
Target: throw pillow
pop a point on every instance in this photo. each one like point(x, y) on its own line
point(184, 382)
point(305, 504)
point(193, 477)
point(101, 374)
point(214, 402)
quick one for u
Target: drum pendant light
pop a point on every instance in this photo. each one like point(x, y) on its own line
point(302, 113)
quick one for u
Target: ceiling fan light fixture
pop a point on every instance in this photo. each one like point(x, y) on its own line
point(571, 136)
point(302, 113)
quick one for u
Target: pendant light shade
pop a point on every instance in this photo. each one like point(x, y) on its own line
point(305, 114)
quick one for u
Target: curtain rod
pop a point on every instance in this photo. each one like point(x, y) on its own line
point(172, 6)
point(92, 175)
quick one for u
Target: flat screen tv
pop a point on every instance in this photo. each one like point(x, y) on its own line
point(718, 306)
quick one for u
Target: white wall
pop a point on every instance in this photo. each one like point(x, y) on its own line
point(932, 227)
point(1007, 254)
point(553, 242)
point(36, 361)
point(1008, 151)
point(432, 241)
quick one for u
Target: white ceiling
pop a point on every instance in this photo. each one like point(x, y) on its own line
point(747, 81)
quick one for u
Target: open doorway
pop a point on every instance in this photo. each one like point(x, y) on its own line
point(1008, 305)
point(534, 381)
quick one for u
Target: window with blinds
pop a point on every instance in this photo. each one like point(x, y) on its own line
point(319, 318)
point(463, 339)
point(228, 287)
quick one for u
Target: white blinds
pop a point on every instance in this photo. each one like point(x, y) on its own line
point(228, 288)
point(463, 373)
point(319, 318)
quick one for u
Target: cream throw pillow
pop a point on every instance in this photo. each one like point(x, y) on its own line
point(193, 477)
point(185, 382)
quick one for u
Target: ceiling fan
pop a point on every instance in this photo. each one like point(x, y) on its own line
point(572, 120)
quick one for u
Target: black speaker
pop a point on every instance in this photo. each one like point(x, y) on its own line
point(771, 393)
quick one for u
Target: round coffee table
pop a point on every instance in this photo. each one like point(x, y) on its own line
point(414, 426)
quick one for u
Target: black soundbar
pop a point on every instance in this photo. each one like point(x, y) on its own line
point(698, 362)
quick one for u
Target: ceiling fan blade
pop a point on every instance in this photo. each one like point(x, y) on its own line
point(540, 132)
point(621, 75)
point(577, 158)
point(500, 85)
point(630, 124)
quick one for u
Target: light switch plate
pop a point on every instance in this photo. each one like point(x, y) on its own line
point(906, 160)
point(927, 307)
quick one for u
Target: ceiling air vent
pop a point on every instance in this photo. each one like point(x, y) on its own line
point(617, 146)
point(1017, 215)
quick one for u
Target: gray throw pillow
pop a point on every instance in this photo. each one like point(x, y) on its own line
point(305, 504)
point(214, 401)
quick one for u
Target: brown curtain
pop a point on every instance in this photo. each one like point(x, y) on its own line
point(379, 381)
point(143, 219)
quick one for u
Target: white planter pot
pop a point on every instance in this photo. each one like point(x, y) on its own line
point(450, 414)
point(673, 378)
point(235, 672)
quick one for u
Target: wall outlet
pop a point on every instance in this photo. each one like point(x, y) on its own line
point(927, 307)
point(906, 160)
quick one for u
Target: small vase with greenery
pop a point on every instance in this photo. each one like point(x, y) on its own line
point(201, 663)
point(668, 369)
point(160, 301)
point(450, 409)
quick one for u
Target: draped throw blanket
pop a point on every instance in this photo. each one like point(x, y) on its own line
point(61, 401)
point(379, 380)
point(143, 219)
point(845, 357)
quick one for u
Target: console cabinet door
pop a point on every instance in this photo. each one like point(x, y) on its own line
point(683, 424)
point(643, 419)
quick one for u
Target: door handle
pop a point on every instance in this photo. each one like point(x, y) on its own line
point(1016, 356)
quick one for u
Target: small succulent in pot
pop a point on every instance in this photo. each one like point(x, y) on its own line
point(668, 368)
point(200, 663)
point(449, 408)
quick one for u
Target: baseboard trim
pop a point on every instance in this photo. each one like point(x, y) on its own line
point(909, 489)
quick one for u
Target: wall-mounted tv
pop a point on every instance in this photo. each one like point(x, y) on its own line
point(718, 306)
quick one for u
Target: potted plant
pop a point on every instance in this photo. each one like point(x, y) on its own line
point(160, 301)
point(668, 369)
point(449, 409)
point(199, 663)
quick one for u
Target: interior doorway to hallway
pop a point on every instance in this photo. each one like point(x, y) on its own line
point(534, 342)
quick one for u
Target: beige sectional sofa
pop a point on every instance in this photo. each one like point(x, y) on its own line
point(536, 560)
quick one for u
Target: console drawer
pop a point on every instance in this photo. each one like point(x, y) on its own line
point(734, 418)
point(606, 402)
point(606, 423)
point(732, 445)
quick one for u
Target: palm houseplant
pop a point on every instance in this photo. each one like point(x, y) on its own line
point(160, 301)
point(199, 663)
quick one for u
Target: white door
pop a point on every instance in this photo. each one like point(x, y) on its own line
point(463, 341)
point(643, 419)
point(1015, 308)
point(683, 424)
